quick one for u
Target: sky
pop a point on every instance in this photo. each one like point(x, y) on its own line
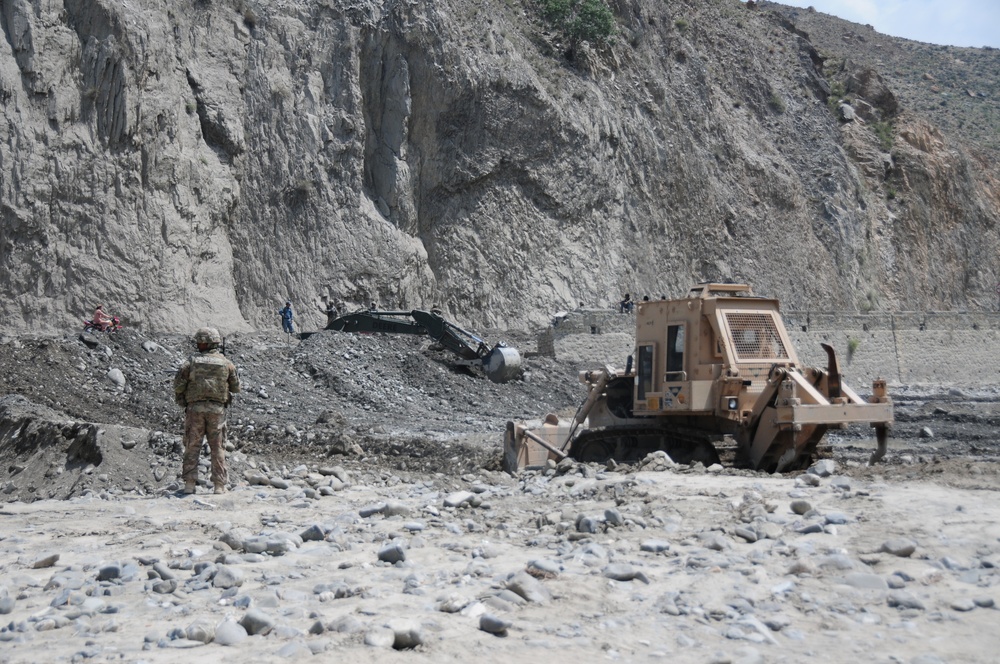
point(951, 22)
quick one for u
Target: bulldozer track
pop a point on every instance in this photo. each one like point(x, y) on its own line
point(629, 445)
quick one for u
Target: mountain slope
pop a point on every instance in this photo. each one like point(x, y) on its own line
point(203, 161)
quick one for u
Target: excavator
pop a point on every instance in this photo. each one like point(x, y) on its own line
point(500, 363)
point(716, 363)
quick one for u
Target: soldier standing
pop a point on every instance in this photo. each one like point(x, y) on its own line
point(204, 387)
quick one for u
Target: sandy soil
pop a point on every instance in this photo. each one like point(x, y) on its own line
point(351, 452)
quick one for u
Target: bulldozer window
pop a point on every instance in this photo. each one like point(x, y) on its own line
point(755, 336)
point(675, 348)
point(644, 374)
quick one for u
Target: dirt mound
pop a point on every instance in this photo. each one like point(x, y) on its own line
point(95, 413)
point(45, 454)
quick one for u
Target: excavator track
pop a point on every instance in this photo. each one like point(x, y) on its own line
point(631, 444)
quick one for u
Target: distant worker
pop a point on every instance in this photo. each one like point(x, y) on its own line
point(286, 318)
point(330, 310)
point(373, 307)
point(102, 319)
point(645, 298)
point(626, 305)
point(204, 386)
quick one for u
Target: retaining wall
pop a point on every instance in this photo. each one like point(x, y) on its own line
point(904, 348)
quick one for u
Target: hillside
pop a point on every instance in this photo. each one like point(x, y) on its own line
point(955, 89)
point(203, 161)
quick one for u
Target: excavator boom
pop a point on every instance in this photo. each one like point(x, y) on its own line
point(500, 363)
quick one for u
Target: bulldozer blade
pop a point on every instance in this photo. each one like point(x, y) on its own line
point(532, 444)
point(502, 364)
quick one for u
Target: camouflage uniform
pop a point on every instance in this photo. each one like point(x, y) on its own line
point(204, 385)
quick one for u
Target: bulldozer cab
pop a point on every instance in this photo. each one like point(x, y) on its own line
point(710, 352)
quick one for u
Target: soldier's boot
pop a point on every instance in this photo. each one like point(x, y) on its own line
point(220, 488)
point(189, 486)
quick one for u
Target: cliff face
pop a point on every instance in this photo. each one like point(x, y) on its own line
point(200, 162)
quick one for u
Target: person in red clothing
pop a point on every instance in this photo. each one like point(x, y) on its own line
point(101, 319)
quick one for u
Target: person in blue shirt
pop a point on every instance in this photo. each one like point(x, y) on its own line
point(286, 318)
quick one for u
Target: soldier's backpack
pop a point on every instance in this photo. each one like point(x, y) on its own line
point(208, 379)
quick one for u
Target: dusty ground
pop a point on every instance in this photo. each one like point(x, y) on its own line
point(347, 445)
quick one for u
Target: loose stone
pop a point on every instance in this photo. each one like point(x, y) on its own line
point(493, 625)
point(901, 547)
point(396, 508)
point(544, 568)
point(230, 633)
point(371, 510)
point(588, 524)
point(823, 468)
point(109, 572)
point(963, 605)
point(809, 529)
point(406, 634)
point(6, 602)
point(200, 630)
point(257, 622)
point(654, 546)
point(458, 498)
point(380, 637)
point(45, 561)
point(529, 588)
point(624, 572)
point(227, 577)
point(900, 599)
point(393, 552)
point(613, 517)
point(800, 506)
point(313, 533)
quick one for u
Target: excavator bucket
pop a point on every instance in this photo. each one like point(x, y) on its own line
point(502, 364)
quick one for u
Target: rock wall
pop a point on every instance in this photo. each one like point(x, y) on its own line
point(202, 161)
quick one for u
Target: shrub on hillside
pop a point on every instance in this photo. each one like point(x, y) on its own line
point(581, 20)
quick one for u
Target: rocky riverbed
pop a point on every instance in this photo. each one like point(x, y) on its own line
point(367, 519)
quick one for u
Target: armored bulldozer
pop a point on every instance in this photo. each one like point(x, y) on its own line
point(715, 365)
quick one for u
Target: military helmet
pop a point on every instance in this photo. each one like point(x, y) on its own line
point(207, 335)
